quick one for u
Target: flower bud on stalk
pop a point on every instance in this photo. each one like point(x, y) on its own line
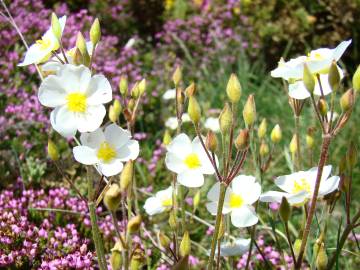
point(211, 142)
point(322, 258)
point(242, 140)
point(177, 76)
point(262, 129)
point(95, 32)
point(137, 259)
point(347, 100)
point(112, 197)
point(334, 77)
point(164, 240)
point(194, 110)
point(233, 89)
point(53, 152)
point(308, 79)
point(167, 138)
point(276, 134)
point(185, 245)
point(142, 87)
point(114, 111)
point(296, 246)
point(322, 106)
point(179, 96)
point(264, 149)
point(126, 175)
point(131, 104)
point(116, 256)
point(123, 86)
point(190, 90)
point(285, 210)
point(134, 223)
point(356, 79)
point(78, 58)
point(225, 119)
point(135, 91)
point(81, 45)
point(249, 112)
point(55, 26)
point(293, 145)
point(309, 141)
point(196, 200)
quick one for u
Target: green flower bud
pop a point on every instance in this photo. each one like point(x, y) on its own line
point(185, 245)
point(211, 141)
point(81, 45)
point(308, 79)
point(194, 110)
point(276, 134)
point(347, 100)
point(123, 86)
point(264, 149)
point(167, 138)
point(242, 140)
point(293, 145)
point(55, 26)
point(112, 197)
point(164, 240)
point(356, 79)
point(126, 175)
point(142, 87)
point(309, 141)
point(322, 258)
point(134, 223)
point(135, 91)
point(177, 76)
point(262, 129)
point(78, 59)
point(131, 104)
point(233, 89)
point(249, 112)
point(114, 111)
point(322, 106)
point(285, 210)
point(116, 256)
point(296, 246)
point(95, 32)
point(196, 200)
point(190, 90)
point(334, 77)
point(53, 152)
point(137, 259)
point(225, 119)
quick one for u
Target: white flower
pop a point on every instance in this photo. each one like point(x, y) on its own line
point(161, 202)
point(41, 50)
point(130, 43)
point(234, 248)
point(172, 122)
point(244, 191)
point(77, 97)
point(212, 123)
point(107, 149)
point(189, 160)
point(169, 94)
point(298, 187)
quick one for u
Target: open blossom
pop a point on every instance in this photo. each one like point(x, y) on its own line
point(161, 202)
point(298, 187)
point(77, 97)
point(189, 160)
point(41, 50)
point(318, 62)
point(234, 248)
point(107, 149)
point(244, 191)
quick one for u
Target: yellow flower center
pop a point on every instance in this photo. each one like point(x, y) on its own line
point(301, 185)
point(236, 200)
point(106, 152)
point(76, 102)
point(44, 43)
point(167, 202)
point(192, 161)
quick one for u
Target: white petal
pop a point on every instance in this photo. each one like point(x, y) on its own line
point(340, 49)
point(312, 173)
point(297, 90)
point(329, 185)
point(191, 178)
point(52, 65)
point(171, 123)
point(180, 146)
point(92, 139)
point(212, 123)
point(212, 208)
point(164, 194)
point(214, 192)
point(153, 206)
point(244, 217)
point(112, 168)
point(63, 121)
point(34, 55)
point(99, 90)
point(74, 78)
point(62, 22)
point(276, 196)
point(286, 182)
point(206, 166)
point(129, 151)
point(117, 136)
point(169, 94)
point(173, 163)
point(247, 187)
point(239, 247)
point(91, 119)
point(85, 155)
point(51, 93)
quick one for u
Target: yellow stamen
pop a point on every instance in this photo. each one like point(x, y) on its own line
point(192, 161)
point(106, 152)
point(301, 185)
point(236, 201)
point(76, 102)
point(44, 43)
point(167, 202)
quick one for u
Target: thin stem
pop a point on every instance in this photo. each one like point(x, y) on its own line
point(298, 151)
point(218, 255)
point(289, 241)
point(317, 113)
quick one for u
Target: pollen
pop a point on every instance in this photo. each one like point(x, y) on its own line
point(301, 185)
point(167, 202)
point(44, 43)
point(76, 102)
point(236, 201)
point(106, 152)
point(192, 161)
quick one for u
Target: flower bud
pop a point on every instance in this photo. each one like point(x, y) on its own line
point(249, 112)
point(114, 111)
point(95, 32)
point(293, 144)
point(264, 149)
point(126, 175)
point(276, 134)
point(116, 256)
point(142, 87)
point(242, 140)
point(55, 26)
point(334, 76)
point(123, 86)
point(167, 138)
point(135, 91)
point(112, 197)
point(296, 246)
point(225, 119)
point(352, 155)
point(172, 221)
point(322, 106)
point(185, 245)
point(179, 96)
point(233, 89)
point(196, 200)
point(211, 141)
point(177, 76)
point(81, 45)
point(78, 59)
point(285, 210)
point(309, 141)
point(52, 150)
point(356, 79)
point(137, 259)
point(131, 104)
point(322, 258)
point(134, 224)
point(164, 240)
point(190, 90)
point(262, 129)
point(308, 79)
point(194, 110)
point(347, 100)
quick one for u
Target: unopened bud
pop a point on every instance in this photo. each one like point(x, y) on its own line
point(164, 240)
point(309, 141)
point(225, 119)
point(308, 79)
point(194, 110)
point(276, 134)
point(116, 257)
point(131, 104)
point(190, 90)
point(126, 175)
point(112, 197)
point(185, 245)
point(322, 106)
point(167, 138)
point(78, 59)
point(242, 140)
point(196, 199)
point(137, 259)
point(233, 89)
point(322, 258)
point(352, 155)
point(135, 91)
point(296, 246)
point(134, 223)
point(123, 86)
point(177, 76)
point(249, 112)
point(52, 150)
point(293, 144)
point(114, 111)
point(285, 210)
point(172, 221)
point(55, 26)
point(334, 77)
point(262, 129)
point(347, 100)
point(264, 149)
point(142, 87)
point(179, 96)
point(81, 45)
point(95, 32)
point(211, 141)
point(356, 79)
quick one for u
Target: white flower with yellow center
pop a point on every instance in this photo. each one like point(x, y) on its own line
point(318, 62)
point(41, 50)
point(189, 160)
point(107, 149)
point(298, 187)
point(234, 248)
point(77, 97)
point(244, 191)
point(159, 203)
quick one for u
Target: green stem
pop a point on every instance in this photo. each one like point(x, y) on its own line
point(217, 225)
point(298, 152)
point(182, 206)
